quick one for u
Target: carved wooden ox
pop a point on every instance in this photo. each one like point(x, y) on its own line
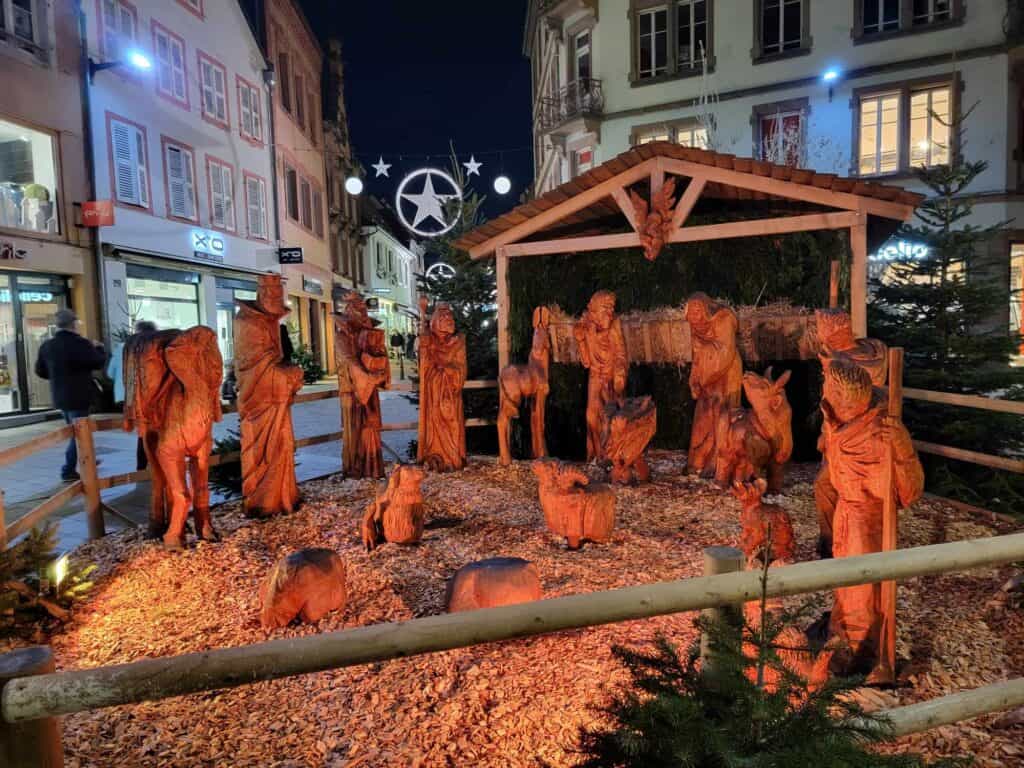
point(756, 440)
point(520, 382)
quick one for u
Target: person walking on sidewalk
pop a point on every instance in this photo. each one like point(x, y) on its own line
point(67, 362)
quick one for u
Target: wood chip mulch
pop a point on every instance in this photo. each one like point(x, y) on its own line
point(507, 704)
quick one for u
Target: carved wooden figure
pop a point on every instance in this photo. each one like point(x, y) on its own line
point(859, 437)
point(517, 383)
point(396, 515)
point(307, 584)
point(654, 222)
point(837, 342)
point(363, 369)
point(443, 371)
point(266, 388)
point(759, 439)
point(602, 349)
point(572, 506)
point(172, 386)
point(716, 376)
point(758, 519)
point(493, 582)
point(630, 425)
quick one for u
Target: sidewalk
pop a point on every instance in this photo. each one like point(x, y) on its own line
point(28, 482)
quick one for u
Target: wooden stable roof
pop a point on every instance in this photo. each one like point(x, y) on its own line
point(597, 203)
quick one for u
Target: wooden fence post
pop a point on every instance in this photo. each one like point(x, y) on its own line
point(717, 560)
point(890, 517)
point(33, 743)
point(3, 523)
point(90, 479)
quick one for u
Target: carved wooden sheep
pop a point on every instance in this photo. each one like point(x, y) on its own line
point(309, 584)
point(493, 582)
point(573, 507)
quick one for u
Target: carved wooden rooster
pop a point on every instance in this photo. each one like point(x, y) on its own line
point(654, 222)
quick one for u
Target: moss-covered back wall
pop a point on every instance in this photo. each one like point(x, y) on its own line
point(742, 271)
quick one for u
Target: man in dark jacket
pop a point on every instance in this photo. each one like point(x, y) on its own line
point(67, 362)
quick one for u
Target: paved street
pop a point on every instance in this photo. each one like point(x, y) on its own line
point(30, 481)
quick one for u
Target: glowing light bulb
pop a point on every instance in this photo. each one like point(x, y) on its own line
point(353, 185)
point(830, 75)
point(139, 60)
point(502, 185)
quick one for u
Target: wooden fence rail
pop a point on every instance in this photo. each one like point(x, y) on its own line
point(60, 693)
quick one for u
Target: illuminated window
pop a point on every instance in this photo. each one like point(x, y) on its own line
point(782, 138)
point(879, 134)
point(929, 127)
point(693, 136)
point(28, 179)
point(689, 133)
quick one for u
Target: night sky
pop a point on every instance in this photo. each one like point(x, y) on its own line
point(420, 74)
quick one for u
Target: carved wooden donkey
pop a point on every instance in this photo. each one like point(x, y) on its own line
point(759, 439)
point(518, 382)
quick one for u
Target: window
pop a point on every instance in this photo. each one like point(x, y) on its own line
point(306, 202)
point(250, 119)
point(283, 78)
point(120, 28)
point(884, 18)
point(313, 104)
point(582, 160)
point(929, 127)
point(931, 11)
point(222, 194)
point(196, 6)
point(650, 136)
point(21, 18)
point(653, 42)
point(130, 166)
point(686, 133)
point(318, 213)
point(300, 103)
point(692, 136)
point(782, 26)
point(28, 179)
point(179, 171)
point(382, 267)
point(1017, 290)
point(581, 47)
point(213, 79)
point(171, 78)
point(781, 138)
point(692, 36)
point(881, 16)
point(879, 134)
point(291, 192)
point(256, 206)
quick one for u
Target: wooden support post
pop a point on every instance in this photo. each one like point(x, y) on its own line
point(859, 278)
point(501, 263)
point(717, 560)
point(3, 524)
point(90, 478)
point(657, 179)
point(34, 743)
point(890, 517)
point(833, 284)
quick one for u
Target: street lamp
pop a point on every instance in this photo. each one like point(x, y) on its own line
point(133, 58)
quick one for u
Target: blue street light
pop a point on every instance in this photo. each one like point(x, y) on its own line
point(138, 59)
point(830, 76)
point(133, 59)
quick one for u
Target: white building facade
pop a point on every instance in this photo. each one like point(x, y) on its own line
point(391, 266)
point(854, 87)
point(183, 151)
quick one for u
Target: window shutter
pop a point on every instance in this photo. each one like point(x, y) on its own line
point(220, 87)
point(254, 206)
point(143, 171)
point(123, 148)
point(178, 70)
point(246, 109)
point(217, 195)
point(163, 57)
point(179, 182)
point(229, 199)
point(254, 106)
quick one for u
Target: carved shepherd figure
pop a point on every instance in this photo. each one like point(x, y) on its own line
point(266, 388)
point(756, 439)
point(716, 376)
point(858, 435)
point(517, 383)
point(443, 370)
point(172, 397)
point(654, 223)
point(363, 369)
point(397, 515)
point(573, 507)
point(602, 350)
point(837, 342)
point(630, 425)
point(757, 519)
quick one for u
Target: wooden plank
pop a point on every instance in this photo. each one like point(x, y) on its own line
point(954, 708)
point(626, 206)
point(318, 439)
point(125, 478)
point(480, 422)
point(688, 200)
point(790, 190)
point(657, 179)
point(972, 457)
point(859, 279)
point(400, 426)
point(890, 519)
point(69, 691)
point(501, 278)
point(757, 227)
point(574, 245)
point(3, 527)
point(558, 212)
point(90, 478)
point(481, 384)
point(833, 285)
point(19, 452)
point(967, 401)
point(107, 423)
point(31, 519)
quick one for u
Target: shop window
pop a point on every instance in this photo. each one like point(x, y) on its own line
point(291, 190)
point(171, 77)
point(213, 79)
point(120, 28)
point(130, 163)
point(256, 206)
point(179, 170)
point(28, 179)
point(222, 194)
point(166, 297)
point(250, 116)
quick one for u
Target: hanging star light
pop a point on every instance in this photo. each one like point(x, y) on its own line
point(472, 167)
point(429, 219)
point(380, 167)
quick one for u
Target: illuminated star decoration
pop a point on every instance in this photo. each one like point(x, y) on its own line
point(380, 167)
point(429, 204)
point(472, 167)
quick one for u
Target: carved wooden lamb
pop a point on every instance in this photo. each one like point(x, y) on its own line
point(573, 507)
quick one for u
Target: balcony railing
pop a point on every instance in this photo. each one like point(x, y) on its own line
point(580, 98)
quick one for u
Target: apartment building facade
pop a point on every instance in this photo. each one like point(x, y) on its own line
point(862, 88)
point(45, 250)
point(391, 262)
point(181, 149)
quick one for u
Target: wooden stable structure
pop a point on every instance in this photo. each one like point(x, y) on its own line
point(594, 212)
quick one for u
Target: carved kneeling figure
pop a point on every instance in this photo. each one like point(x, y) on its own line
point(573, 507)
point(396, 516)
point(757, 519)
point(493, 582)
point(309, 584)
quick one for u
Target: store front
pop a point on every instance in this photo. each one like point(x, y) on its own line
point(28, 305)
point(229, 292)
